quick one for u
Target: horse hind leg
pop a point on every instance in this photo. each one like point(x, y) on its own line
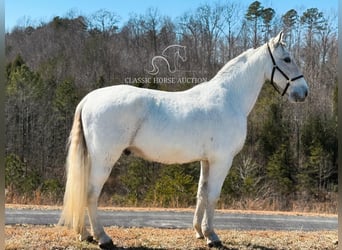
point(100, 172)
point(202, 199)
point(104, 241)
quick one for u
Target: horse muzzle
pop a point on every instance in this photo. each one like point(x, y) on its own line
point(298, 93)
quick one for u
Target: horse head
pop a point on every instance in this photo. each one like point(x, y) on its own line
point(285, 75)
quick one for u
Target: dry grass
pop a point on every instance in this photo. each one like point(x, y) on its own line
point(50, 237)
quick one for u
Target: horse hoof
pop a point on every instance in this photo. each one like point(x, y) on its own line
point(216, 244)
point(90, 239)
point(199, 236)
point(107, 245)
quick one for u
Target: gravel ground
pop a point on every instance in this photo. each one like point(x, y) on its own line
point(57, 238)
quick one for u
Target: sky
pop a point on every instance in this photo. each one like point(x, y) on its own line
point(19, 12)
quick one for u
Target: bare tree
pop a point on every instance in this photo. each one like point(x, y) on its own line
point(104, 21)
point(232, 18)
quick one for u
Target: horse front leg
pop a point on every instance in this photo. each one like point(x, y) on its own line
point(217, 174)
point(202, 199)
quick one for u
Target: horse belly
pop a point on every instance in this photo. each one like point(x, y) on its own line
point(167, 148)
point(189, 144)
point(165, 157)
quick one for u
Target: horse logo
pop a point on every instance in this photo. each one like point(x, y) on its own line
point(170, 55)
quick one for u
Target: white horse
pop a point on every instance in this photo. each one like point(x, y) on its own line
point(207, 123)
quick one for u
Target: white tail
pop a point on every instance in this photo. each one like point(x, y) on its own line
point(78, 167)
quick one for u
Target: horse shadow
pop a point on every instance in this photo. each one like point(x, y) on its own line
point(249, 246)
point(221, 247)
point(253, 247)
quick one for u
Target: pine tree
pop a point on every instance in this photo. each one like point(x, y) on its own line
point(136, 180)
point(290, 19)
point(174, 188)
point(254, 13)
point(267, 15)
point(66, 99)
point(281, 175)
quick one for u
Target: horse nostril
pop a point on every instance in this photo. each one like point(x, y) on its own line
point(299, 96)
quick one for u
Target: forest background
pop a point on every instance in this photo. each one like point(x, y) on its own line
point(289, 161)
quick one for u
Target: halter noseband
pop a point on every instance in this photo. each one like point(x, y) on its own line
point(275, 66)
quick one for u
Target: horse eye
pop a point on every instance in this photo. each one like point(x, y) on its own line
point(287, 59)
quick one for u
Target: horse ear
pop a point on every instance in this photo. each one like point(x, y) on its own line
point(280, 35)
point(276, 41)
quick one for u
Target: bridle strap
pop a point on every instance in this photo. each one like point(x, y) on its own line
point(275, 67)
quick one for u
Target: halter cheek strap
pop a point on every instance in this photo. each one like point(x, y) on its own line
point(275, 67)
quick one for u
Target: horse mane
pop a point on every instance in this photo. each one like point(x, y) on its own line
point(230, 68)
point(234, 65)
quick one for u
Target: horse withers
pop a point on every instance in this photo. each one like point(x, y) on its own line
point(207, 123)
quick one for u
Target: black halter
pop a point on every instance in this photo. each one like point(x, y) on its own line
point(282, 72)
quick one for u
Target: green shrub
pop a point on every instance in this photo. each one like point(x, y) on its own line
point(18, 177)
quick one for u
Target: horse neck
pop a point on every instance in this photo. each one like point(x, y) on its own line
point(243, 78)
